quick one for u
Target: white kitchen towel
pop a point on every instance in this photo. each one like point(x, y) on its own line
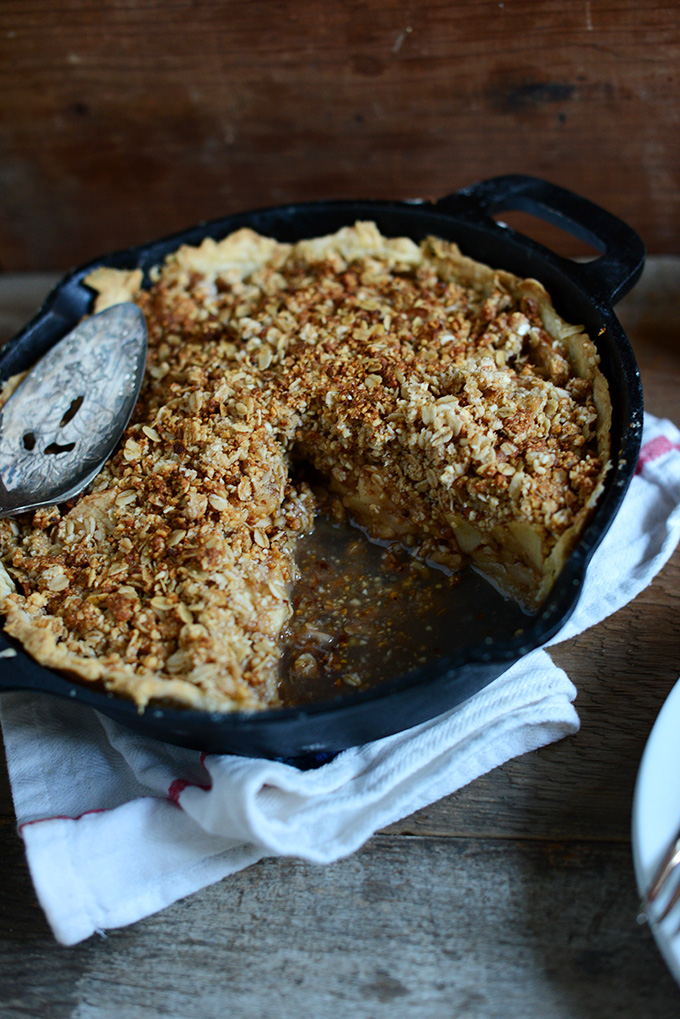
point(117, 826)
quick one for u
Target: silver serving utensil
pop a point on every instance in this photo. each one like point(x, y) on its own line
point(661, 881)
point(64, 420)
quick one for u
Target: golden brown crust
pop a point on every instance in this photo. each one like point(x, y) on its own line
point(448, 404)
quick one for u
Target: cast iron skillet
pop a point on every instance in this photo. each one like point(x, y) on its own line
point(582, 292)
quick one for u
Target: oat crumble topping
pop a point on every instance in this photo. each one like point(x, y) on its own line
point(446, 405)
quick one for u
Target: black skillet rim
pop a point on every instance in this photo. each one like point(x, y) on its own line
point(599, 282)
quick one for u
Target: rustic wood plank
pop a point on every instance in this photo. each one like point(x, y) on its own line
point(21, 295)
point(405, 927)
point(650, 315)
point(120, 122)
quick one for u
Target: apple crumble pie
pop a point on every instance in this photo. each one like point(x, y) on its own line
point(446, 405)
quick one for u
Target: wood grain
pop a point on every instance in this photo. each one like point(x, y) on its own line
point(120, 122)
point(425, 927)
point(513, 897)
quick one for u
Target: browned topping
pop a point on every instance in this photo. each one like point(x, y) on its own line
point(447, 405)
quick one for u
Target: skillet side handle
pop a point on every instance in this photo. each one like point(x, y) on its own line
point(607, 278)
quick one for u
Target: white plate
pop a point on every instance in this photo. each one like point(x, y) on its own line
point(656, 815)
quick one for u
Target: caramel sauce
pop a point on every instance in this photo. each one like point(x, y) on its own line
point(366, 612)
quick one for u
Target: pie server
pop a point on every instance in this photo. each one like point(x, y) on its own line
point(582, 292)
point(63, 421)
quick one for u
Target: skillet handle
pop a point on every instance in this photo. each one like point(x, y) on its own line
point(608, 277)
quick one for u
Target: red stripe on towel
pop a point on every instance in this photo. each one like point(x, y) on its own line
point(180, 784)
point(174, 791)
point(653, 450)
point(65, 817)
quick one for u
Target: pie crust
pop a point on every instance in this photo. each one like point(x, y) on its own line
point(446, 404)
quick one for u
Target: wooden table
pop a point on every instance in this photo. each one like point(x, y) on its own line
point(512, 898)
point(121, 121)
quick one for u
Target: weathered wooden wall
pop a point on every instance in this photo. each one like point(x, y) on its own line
point(124, 119)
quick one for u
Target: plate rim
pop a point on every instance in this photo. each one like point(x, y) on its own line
point(645, 845)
